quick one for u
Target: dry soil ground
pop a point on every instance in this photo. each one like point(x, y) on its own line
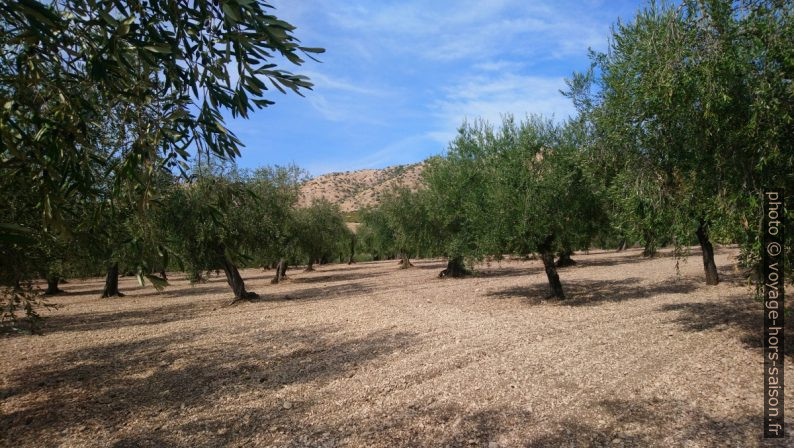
point(369, 355)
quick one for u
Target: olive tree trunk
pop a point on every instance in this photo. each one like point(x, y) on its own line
point(405, 262)
point(565, 259)
point(649, 249)
point(352, 249)
point(555, 286)
point(281, 271)
point(621, 246)
point(455, 268)
point(112, 282)
point(52, 286)
point(310, 266)
point(547, 256)
point(234, 279)
point(712, 278)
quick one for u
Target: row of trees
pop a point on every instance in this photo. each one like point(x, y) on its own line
point(518, 189)
point(216, 221)
point(680, 125)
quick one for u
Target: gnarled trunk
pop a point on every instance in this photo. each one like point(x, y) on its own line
point(649, 249)
point(281, 271)
point(555, 286)
point(352, 250)
point(405, 262)
point(565, 259)
point(712, 278)
point(163, 275)
point(310, 266)
point(52, 286)
point(112, 282)
point(547, 256)
point(234, 279)
point(621, 246)
point(455, 268)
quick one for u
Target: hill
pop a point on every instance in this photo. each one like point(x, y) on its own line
point(354, 190)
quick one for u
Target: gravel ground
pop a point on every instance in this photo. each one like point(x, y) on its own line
point(371, 356)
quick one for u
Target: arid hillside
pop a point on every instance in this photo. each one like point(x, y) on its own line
point(354, 190)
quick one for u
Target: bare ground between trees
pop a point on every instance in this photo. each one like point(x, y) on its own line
point(372, 355)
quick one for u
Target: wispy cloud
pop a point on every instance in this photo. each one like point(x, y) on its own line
point(414, 146)
point(456, 30)
point(323, 82)
point(400, 76)
point(492, 97)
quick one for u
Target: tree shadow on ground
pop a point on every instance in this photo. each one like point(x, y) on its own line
point(333, 277)
point(199, 289)
point(625, 423)
point(325, 292)
point(644, 423)
point(345, 268)
point(187, 310)
point(427, 264)
point(120, 319)
point(594, 292)
point(616, 258)
point(740, 313)
point(494, 270)
point(131, 384)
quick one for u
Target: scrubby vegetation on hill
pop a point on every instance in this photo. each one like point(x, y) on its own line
point(355, 190)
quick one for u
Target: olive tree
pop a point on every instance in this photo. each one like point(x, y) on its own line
point(404, 215)
point(540, 196)
point(375, 236)
point(208, 224)
point(277, 190)
point(457, 210)
point(320, 232)
point(693, 100)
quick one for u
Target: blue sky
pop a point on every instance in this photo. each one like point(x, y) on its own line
point(399, 77)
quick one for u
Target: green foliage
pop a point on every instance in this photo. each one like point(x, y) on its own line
point(457, 193)
point(276, 190)
point(375, 237)
point(693, 117)
point(21, 300)
point(158, 73)
point(102, 100)
point(518, 189)
point(400, 224)
point(206, 220)
point(321, 232)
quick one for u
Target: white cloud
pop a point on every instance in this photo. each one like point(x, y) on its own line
point(337, 99)
point(459, 30)
point(324, 82)
point(405, 150)
point(490, 98)
point(498, 66)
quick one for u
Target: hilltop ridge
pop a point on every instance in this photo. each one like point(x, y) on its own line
point(354, 190)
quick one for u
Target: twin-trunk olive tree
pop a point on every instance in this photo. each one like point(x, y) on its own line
point(517, 189)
